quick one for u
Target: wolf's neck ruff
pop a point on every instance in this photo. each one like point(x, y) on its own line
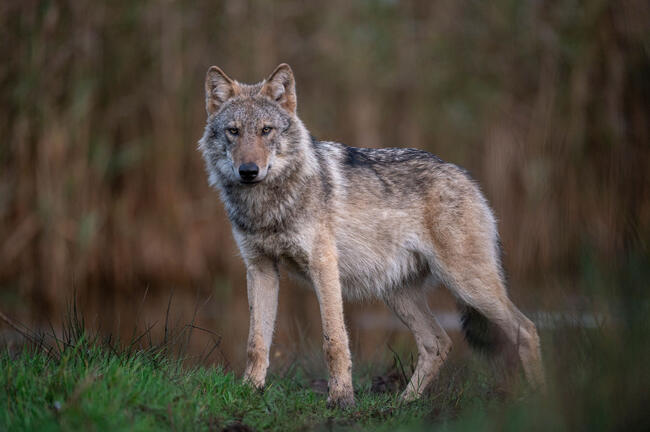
point(280, 202)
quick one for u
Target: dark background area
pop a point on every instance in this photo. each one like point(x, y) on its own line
point(103, 196)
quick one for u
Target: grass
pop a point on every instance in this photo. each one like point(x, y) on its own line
point(598, 380)
point(88, 386)
point(91, 388)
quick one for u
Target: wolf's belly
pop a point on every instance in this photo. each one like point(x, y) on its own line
point(368, 270)
point(370, 273)
point(380, 251)
point(363, 277)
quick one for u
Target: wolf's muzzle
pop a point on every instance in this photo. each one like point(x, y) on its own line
point(248, 172)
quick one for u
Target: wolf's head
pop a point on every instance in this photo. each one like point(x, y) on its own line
point(251, 129)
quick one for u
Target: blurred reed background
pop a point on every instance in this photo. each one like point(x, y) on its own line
point(103, 193)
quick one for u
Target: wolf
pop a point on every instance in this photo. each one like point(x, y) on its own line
point(353, 223)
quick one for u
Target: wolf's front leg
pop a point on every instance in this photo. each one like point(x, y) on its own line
point(262, 282)
point(325, 276)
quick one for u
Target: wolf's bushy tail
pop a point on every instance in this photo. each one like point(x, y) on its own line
point(480, 333)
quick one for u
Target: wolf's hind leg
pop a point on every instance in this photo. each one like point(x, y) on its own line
point(530, 351)
point(431, 339)
point(488, 296)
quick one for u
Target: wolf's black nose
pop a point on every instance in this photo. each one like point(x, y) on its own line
point(248, 171)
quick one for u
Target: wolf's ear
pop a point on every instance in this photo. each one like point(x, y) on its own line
point(218, 89)
point(281, 87)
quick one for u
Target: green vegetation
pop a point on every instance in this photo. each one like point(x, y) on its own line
point(89, 387)
point(92, 388)
point(598, 380)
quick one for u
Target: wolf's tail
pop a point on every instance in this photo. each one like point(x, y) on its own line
point(480, 333)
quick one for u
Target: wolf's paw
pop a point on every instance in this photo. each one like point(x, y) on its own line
point(408, 396)
point(253, 382)
point(341, 401)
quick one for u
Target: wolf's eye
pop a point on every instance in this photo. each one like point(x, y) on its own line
point(233, 131)
point(266, 130)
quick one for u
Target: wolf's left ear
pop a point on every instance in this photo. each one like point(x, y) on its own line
point(219, 87)
point(280, 86)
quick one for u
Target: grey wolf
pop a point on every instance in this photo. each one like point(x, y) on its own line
point(353, 223)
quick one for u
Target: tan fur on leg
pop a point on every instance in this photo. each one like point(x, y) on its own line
point(325, 276)
point(528, 346)
point(432, 341)
point(487, 295)
point(262, 281)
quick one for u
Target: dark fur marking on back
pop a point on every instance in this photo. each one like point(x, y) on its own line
point(365, 157)
point(356, 158)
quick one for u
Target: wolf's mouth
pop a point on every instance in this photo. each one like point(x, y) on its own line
point(250, 182)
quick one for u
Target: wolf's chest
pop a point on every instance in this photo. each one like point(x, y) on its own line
point(283, 247)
